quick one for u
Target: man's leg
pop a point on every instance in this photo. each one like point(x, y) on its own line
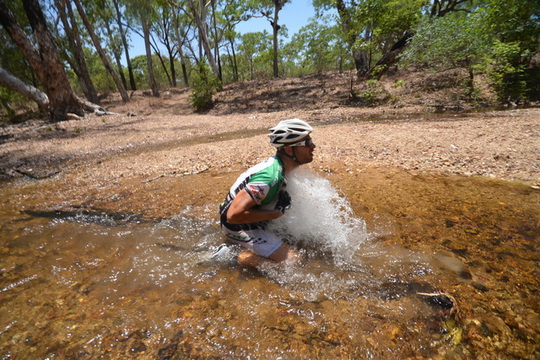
point(283, 253)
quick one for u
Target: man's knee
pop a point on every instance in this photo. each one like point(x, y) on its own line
point(284, 253)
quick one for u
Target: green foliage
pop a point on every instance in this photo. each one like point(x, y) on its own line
point(514, 21)
point(204, 85)
point(497, 36)
point(371, 27)
point(373, 94)
point(454, 40)
point(507, 73)
point(399, 83)
point(317, 47)
point(255, 55)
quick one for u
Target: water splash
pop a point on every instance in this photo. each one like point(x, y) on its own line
point(321, 218)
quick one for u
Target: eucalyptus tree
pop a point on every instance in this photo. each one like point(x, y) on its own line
point(233, 13)
point(317, 47)
point(144, 13)
point(270, 10)
point(123, 36)
point(254, 50)
point(371, 27)
point(164, 29)
point(182, 31)
point(198, 11)
point(14, 83)
point(383, 28)
point(456, 40)
point(434, 9)
point(14, 68)
point(102, 15)
point(78, 63)
point(97, 44)
point(493, 36)
point(225, 16)
point(43, 58)
point(354, 30)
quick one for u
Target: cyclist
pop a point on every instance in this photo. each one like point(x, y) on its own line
point(259, 196)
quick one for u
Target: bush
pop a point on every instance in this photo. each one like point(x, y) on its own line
point(204, 85)
point(507, 73)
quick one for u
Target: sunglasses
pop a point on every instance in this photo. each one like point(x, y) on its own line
point(307, 142)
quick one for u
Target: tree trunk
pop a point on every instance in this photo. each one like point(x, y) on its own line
point(149, 62)
point(13, 83)
point(361, 63)
point(203, 36)
point(216, 41)
point(390, 58)
point(126, 46)
point(234, 63)
point(45, 61)
point(360, 57)
point(275, 29)
point(173, 69)
point(181, 54)
point(73, 35)
point(117, 53)
point(183, 64)
point(102, 55)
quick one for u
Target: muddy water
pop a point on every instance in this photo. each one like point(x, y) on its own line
point(394, 266)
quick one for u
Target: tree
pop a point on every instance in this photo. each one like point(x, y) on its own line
point(123, 36)
point(71, 30)
point(253, 48)
point(198, 13)
point(273, 18)
point(44, 60)
point(103, 17)
point(438, 9)
point(317, 47)
point(455, 40)
point(182, 28)
point(101, 52)
point(144, 17)
point(351, 29)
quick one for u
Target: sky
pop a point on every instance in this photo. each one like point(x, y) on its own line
point(294, 15)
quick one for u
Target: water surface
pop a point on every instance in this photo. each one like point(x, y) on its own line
point(98, 284)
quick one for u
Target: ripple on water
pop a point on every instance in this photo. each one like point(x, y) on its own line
point(107, 285)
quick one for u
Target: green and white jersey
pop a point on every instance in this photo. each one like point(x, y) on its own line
point(262, 182)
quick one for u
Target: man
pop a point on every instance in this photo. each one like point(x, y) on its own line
point(258, 196)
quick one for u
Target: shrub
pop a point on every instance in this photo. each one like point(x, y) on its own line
point(507, 73)
point(204, 85)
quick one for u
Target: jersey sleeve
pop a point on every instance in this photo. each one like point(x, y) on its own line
point(258, 191)
point(264, 185)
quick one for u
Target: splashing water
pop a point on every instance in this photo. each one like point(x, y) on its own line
point(323, 225)
point(321, 219)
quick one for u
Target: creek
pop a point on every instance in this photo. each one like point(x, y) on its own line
point(394, 266)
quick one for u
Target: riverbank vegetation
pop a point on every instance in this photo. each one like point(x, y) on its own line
point(82, 50)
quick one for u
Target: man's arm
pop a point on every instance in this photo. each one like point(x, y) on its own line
point(243, 211)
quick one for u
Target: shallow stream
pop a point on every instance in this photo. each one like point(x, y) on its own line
point(394, 266)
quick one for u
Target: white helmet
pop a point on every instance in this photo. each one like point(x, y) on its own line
point(288, 132)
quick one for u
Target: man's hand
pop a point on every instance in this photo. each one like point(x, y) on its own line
point(284, 201)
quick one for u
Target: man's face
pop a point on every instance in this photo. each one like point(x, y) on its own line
point(303, 150)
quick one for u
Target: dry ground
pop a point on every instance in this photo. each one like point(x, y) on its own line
point(155, 138)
